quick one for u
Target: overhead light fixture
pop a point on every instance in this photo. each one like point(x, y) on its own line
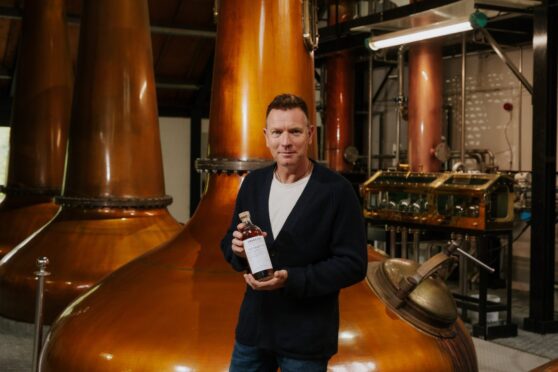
point(419, 33)
point(430, 31)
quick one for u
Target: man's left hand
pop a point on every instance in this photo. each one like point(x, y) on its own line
point(278, 281)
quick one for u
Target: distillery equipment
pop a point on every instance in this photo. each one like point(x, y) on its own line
point(180, 301)
point(480, 202)
point(113, 203)
point(175, 308)
point(478, 205)
point(38, 136)
point(339, 94)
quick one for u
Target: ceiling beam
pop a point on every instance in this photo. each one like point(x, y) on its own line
point(17, 14)
point(160, 84)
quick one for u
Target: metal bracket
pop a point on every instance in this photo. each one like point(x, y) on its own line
point(92, 202)
point(310, 25)
point(506, 60)
point(235, 166)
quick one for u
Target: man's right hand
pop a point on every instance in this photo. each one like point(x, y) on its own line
point(237, 244)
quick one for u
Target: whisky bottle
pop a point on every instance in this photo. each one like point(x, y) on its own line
point(255, 249)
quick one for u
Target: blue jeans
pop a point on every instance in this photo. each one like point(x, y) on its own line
point(252, 359)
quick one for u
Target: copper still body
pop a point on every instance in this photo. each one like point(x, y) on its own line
point(39, 130)
point(113, 206)
point(340, 87)
point(425, 105)
point(176, 307)
point(180, 303)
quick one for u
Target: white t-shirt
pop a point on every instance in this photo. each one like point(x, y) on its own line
point(282, 199)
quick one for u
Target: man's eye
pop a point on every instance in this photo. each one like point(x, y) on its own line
point(275, 133)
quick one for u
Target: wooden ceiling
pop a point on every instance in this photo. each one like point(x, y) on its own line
point(183, 41)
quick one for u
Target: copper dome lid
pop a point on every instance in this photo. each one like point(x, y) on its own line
point(429, 307)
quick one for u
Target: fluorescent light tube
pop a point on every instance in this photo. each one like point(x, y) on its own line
point(419, 33)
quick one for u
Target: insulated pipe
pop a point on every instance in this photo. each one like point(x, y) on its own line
point(113, 205)
point(39, 129)
point(339, 94)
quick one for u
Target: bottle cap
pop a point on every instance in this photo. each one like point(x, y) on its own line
point(244, 216)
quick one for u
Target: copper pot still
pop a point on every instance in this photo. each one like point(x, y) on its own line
point(38, 135)
point(425, 105)
point(176, 307)
point(113, 206)
point(340, 87)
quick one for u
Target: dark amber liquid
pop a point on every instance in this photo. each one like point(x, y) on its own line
point(251, 231)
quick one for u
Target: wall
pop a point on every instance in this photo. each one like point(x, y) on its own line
point(489, 85)
point(175, 145)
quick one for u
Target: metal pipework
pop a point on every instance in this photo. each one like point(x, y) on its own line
point(463, 82)
point(404, 235)
point(476, 260)
point(310, 24)
point(463, 270)
point(42, 263)
point(416, 244)
point(392, 239)
point(370, 108)
point(520, 113)
point(400, 103)
point(506, 60)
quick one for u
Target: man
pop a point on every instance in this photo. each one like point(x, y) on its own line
point(317, 243)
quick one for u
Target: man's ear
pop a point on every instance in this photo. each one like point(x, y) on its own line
point(311, 130)
point(265, 136)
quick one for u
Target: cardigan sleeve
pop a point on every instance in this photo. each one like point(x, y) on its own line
point(347, 262)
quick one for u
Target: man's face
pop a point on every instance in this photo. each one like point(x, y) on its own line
point(287, 135)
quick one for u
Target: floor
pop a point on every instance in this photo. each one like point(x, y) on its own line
point(517, 354)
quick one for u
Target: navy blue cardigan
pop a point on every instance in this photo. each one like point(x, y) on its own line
point(322, 245)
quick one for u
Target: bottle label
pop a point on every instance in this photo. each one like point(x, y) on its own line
point(257, 255)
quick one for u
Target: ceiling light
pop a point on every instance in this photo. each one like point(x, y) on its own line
point(411, 35)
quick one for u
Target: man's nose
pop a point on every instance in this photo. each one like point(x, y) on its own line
point(285, 139)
